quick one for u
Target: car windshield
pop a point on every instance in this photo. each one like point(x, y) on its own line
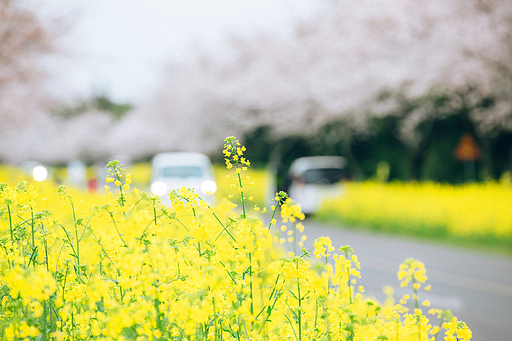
point(182, 172)
point(325, 175)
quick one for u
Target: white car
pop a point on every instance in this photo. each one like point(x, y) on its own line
point(170, 171)
point(315, 178)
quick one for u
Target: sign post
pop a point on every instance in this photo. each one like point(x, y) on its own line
point(467, 151)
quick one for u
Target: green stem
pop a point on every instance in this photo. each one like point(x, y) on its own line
point(88, 221)
point(72, 208)
point(273, 215)
point(224, 227)
point(77, 253)
point(241, 191)
point(32, 228)
point(419, 327)
point(316, 315)
point(32, 257)
point(106, 254)
point(291, 325)
point(349, 288)
point(115, 225)
point(34, 248)
point(154, 214)
point(416, 303)
point(229, 274)
point(77, 258)
point(270, 296)
point(10, 223)
point(250, 284)
point(397, 327)
point(440, 326)
point(271, 308)
point(121, 194)
point(70, 241)
point(300, 309)
point(328, 283)
point(64, 284)
point(348, 272)
point(156, 302)
point(45, 243)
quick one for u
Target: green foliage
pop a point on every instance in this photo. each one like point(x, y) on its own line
point(382, 145)
point(440, 163)
point(417, 139)
point(99, 102)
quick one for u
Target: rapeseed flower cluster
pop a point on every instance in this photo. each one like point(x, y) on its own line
point(124, 267)
point(477, 212)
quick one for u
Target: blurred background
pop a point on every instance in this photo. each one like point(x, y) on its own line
point(415, 91)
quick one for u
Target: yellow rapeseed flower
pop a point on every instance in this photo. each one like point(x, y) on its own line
point(134, 269)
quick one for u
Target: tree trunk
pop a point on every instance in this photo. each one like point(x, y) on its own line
point(487, 162)
point(353, 164)
point(418, 152)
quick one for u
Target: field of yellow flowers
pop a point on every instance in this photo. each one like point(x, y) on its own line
point(120, 266)
point(474, 213)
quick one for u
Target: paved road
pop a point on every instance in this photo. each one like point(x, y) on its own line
point(476, 287)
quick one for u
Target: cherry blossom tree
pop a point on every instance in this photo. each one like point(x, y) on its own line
point(336, 66)
point(354, 61)
point(25, 38)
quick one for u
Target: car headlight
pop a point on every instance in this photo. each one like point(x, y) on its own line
point(39, 173)
point(159, 188)
point(208, 187)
